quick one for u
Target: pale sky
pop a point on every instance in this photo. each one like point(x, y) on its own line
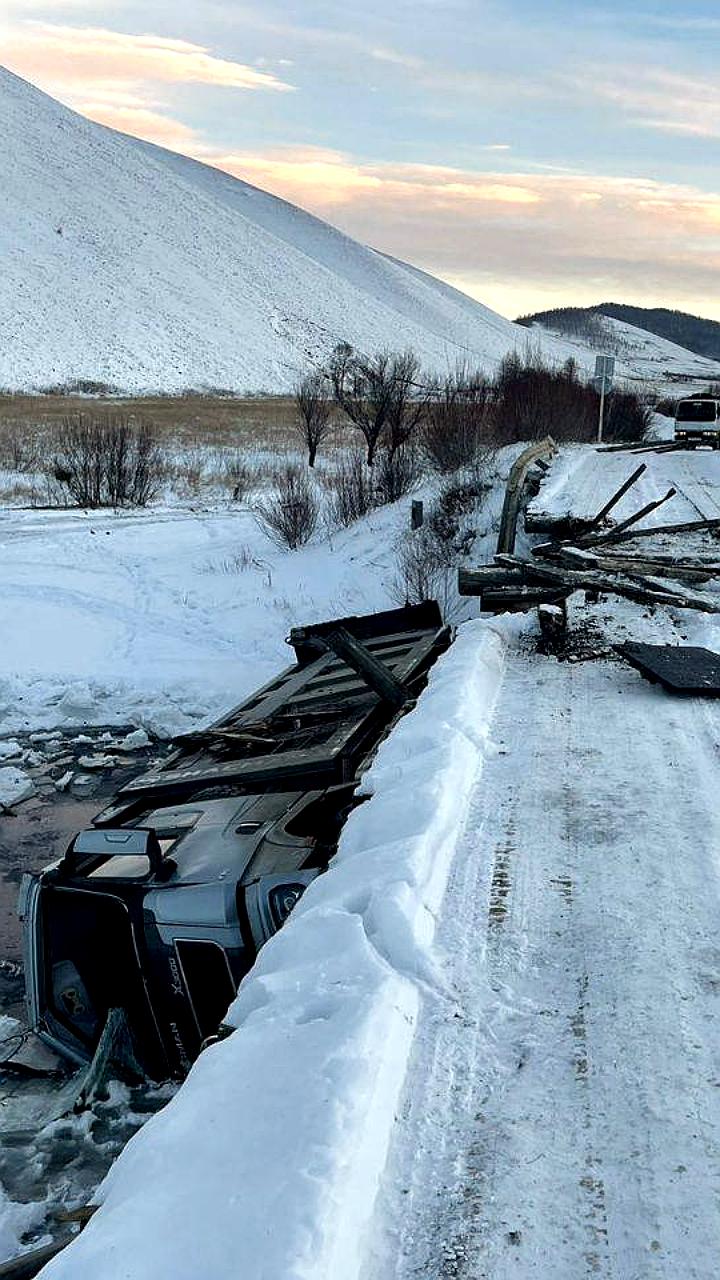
point(534, 155)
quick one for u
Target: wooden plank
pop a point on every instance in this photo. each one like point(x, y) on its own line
point(372, 670)
point(275, 698)
point(521, 599)
point(401, 663)
point(635, 588)
point(688, 526)
point(608, 538)
point(311, 764)
point(684, 669)
point(578, 557)
point(590, 539)
point(29, 1264)
point(472, 582)
point(419, 658)
point(641, 446)
point(365, 627)
point(619, 493)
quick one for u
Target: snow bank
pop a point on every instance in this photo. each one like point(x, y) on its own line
point(267, 1162)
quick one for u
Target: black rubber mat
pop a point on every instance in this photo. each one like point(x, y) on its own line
point(684, 669)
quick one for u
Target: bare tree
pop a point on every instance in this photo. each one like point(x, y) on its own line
point(408, 400)
point(313, 409)
point(363, 388)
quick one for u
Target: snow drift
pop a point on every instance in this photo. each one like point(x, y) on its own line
point(268, 1161)
point(128, 265)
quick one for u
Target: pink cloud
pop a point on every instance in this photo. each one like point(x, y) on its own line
point(68, 56)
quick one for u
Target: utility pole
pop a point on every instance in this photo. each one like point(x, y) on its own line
point(604, 372)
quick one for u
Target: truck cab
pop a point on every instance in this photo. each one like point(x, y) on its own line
point(697, 421)
point(153, 915)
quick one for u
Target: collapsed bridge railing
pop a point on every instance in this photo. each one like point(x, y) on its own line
point(587, 554)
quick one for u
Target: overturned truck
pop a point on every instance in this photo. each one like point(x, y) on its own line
point(155, 913)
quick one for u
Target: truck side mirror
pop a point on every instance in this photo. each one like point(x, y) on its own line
point(117, 842)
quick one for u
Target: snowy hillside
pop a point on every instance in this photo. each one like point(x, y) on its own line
point(129, 265)
point(643, 355)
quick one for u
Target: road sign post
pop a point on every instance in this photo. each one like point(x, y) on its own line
point(604, 373)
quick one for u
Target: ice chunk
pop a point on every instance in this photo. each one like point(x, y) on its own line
point(15, 786)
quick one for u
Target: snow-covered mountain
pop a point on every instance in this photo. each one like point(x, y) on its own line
point(642, 356)
point(132, 266)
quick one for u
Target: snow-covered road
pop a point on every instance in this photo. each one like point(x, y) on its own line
point(563, 1118)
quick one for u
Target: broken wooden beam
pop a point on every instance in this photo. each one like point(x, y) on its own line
point(689, 526)
point(584, 558)
point(662, 446)
point(619, 493)
point(375, 673)
point(605, 539)
point(520, 599)
point(635, 588)
point(553, 625)
point(473, 582)
point(624, 446)
point(28, 1265)
point(593, 539)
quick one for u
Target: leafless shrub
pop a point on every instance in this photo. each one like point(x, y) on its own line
point(105, 462)
point(627, 417)
point(666, 407)
point(19, 494)
point(242, 562)
point(79, 386)
point(313, 408)
point(425, 570)
point(428, 558)
point(408, 402)
point(457, 420)
point(451, 519)
point(20, 449)
point(188, 470)
point(240, 476)
point(290, 515)
point(396, 473)
point(533, 401)
point(351, 490)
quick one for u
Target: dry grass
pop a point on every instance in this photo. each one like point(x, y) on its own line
point(258, 423)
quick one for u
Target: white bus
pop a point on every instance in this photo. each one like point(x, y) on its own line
point(698, 421)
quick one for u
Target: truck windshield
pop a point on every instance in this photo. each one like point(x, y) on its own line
point(696, 411)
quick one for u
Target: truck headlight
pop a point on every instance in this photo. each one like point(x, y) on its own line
point(283, 899)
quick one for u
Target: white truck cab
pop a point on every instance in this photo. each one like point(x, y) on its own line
point(698, 421)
